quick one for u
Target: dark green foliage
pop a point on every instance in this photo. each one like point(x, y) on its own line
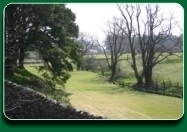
point(90, 64)
point(49, 29)
point(47, 87)
point(119, 82)
point(95, 65)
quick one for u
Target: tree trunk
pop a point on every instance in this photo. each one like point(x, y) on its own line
point(138, 77)
point(148, 76)
point(21, 58)
point(78, 67)
point(9, 63)
point(9, 67)
point(15, 61)
point(102, 70)
point(113, 70)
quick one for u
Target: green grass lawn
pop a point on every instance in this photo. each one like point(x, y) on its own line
point(91, 94)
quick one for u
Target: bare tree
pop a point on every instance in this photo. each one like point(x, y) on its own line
point(87, 42)
point(115, 41)
point(129, 30)
point(152, 31)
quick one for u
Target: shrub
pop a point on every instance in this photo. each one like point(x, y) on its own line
point(90, 64)
point(47, 88)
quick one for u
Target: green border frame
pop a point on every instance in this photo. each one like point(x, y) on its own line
point(82, 125)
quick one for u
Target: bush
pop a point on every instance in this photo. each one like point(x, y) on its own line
point(60, 95)
point(120, 82)
point(40, 85)
point(95, 65)
point(90, 64)
point(47, 88)
point(103, 67)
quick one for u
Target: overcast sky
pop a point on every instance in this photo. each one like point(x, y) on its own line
point(91, 17)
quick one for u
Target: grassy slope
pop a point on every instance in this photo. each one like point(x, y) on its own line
point(166, 72)
point(101, 98)
point(169, 69)
point(23, 77)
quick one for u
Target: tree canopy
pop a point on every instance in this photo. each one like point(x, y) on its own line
point(48, 28)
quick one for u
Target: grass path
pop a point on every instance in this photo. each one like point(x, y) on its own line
point(90, 94)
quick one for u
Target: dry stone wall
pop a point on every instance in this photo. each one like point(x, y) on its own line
point(24, 103)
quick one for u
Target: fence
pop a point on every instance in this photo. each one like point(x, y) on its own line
point(164, 88)
point(172, 90)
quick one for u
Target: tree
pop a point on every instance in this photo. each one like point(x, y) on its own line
point(152, 32)
point(115, 41)
point(49, 29)
point(16, 25)
point(87, 42)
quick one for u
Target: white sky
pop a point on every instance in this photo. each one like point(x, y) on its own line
point(91, 17)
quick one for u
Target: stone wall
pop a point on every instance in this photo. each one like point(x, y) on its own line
point(24, 103)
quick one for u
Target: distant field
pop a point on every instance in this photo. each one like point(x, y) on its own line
point(171, 69)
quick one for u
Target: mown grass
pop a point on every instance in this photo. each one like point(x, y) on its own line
point(91, 94)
